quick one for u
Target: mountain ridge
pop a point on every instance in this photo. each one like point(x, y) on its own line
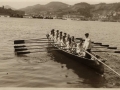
point(81, 8)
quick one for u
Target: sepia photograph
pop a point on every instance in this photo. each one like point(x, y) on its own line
point(60, 44)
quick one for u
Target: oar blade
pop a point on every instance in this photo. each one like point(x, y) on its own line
point(21, 49)
point(19, 42)
point(97, 43)
point(19, 46)
point(116, 51)
point(20, 53)
point(112, 48)
point(105, 45)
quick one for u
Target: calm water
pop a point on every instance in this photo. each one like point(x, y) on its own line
point(52, 69)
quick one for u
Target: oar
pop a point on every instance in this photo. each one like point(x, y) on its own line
point(36, 45)
point(23, 49)
point(103, 63)
point(41, 39)
point(97, 43)
point(29, 40)
point(23, 41)
point(108, 51)
point(112, 48)
point(29, 46)
point(107, 47)
point(28, 52)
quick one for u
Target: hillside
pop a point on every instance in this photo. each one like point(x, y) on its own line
point(9, 7)
point(51, 7)
point(10, 12)
point(104, 8)
point(82, 8)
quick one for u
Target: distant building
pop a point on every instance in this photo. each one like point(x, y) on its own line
point(4, 16)
point(27, 16)
point(73, 17)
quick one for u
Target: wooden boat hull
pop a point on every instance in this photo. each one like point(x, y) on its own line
point(92, 64)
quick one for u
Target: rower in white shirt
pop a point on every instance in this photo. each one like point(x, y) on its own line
point(59, 38)
point(79, 48)
point(73, 45)
point(50, 35)
point(87, 46)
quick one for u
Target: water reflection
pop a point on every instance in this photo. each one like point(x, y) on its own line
point(83, 72)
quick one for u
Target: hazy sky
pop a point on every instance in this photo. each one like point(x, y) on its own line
point(23, 3)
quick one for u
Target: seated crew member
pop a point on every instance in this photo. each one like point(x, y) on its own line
point(57, 33)
point(56, 36)
point(53, 36)
point(50, 36)
point(65, 38)
point(68, 45)
point(87, 46)
point(79, 48)
point(59, 38)
point(64, 41)
point(73, 44)
point(61, 42)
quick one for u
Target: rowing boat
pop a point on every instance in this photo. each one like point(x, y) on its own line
point(92, 64)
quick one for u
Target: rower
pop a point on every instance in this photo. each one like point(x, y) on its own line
point(59, 38)
point(87, 46)
point(61, 42)
point(50, 36)
point(64, 41)
point(53, 35)
point(65, 38)
point(73, 44)
point(57, 32)
point(57, 35)
point(79, 48)
point(68, 45)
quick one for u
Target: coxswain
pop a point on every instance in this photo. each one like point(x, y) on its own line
point(87, 46)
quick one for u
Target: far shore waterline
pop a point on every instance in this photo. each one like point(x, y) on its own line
point(7, 16)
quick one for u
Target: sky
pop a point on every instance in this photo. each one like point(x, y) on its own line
point(17, 4)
